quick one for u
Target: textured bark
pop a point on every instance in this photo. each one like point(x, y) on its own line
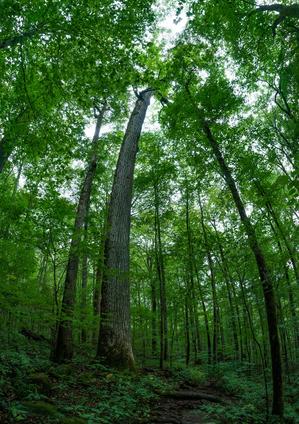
point(267, 284)
point(114, 345)
point(63, 344)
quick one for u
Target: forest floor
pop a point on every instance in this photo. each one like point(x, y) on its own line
point(183, 406)
point(35, 391)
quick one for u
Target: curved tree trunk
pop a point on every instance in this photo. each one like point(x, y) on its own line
point(63, 344)
point(267, 284)
point(114, 345)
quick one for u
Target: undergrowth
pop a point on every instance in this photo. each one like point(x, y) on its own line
point(242, 383)
point(34, 390)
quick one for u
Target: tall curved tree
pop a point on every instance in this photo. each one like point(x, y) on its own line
point(114, 344)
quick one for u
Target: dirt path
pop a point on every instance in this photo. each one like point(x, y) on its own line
point(182, 406)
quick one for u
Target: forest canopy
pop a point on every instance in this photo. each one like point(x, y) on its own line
point(149, 211)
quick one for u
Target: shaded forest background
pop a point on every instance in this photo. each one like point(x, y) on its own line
point(168, 238)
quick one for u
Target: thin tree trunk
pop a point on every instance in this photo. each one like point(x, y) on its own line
point(257, 343)
point(84, 285)
point(161, 277)
point(187, 330)
point(4, 153)
point(100, 265)
point(224, 268)
point(272, 213)
point(292, 303)
point(63, 345)
point(267, 284)
point(238, 320)
point(115, 345)
point(216, 323)
point(204, 309)
point(193, 303)
point(149, 262)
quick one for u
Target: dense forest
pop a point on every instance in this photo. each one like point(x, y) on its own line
point(148, 211)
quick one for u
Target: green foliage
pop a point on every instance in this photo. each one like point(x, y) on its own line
point(76, 393)
point(192, 375)
point(58, 60)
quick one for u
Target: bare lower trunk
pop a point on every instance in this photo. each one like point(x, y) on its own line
point(114, 345)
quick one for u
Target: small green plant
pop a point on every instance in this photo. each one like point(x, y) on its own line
point(191, 375)
point(18, 412)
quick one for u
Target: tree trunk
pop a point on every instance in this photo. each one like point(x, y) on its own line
point(190, 279)
point(216, 318)
point(292, 302)
point(262, 357)
point(4, 153)
point(187, 329)
point(272, 214)
point(84, 285)
point(115, 346)
point(291, 10)
point(204, 309)
point(267, 284)
point(100, 269)
point(149, 262)
point(162, 285)
point(225, 271)
point(63, 345)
